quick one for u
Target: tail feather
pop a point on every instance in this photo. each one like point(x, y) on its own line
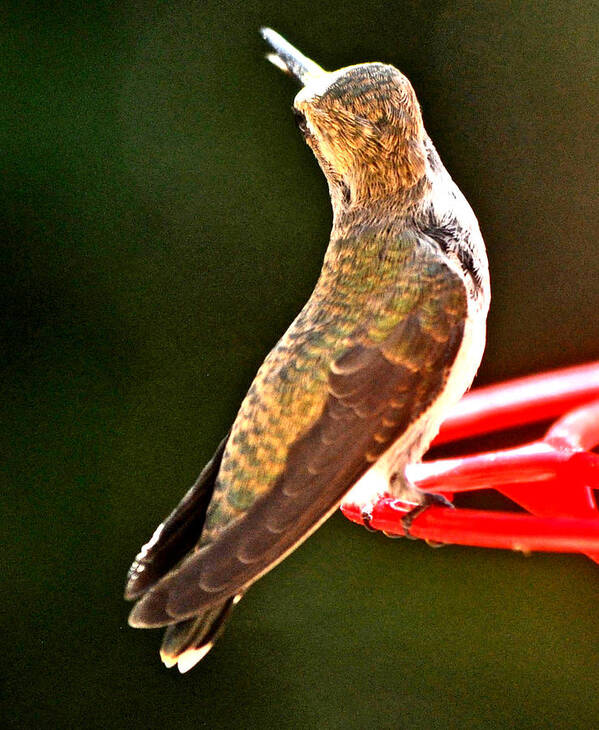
point(185, 643)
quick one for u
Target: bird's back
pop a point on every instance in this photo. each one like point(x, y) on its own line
point(368, 353)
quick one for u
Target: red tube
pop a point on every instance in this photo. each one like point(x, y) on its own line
point(519, 402)
point(505, 530)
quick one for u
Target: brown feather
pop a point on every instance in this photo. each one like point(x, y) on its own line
point(372, 401)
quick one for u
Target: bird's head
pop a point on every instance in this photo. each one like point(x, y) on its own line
point(363, 123)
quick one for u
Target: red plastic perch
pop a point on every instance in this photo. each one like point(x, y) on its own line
point(552, 479)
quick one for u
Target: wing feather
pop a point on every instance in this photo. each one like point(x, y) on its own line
point(177, 535)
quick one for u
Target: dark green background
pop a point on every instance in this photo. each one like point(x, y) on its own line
point(162, 224)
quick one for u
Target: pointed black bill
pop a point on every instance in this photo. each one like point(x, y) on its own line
point(288, 58)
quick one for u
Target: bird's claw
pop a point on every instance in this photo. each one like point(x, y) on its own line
point(366, 515)
point(429, 499)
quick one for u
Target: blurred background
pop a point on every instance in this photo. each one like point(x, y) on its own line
point(162, 224)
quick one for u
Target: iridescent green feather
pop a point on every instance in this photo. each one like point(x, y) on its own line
point(367, 288)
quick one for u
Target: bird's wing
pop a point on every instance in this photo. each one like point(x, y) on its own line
point(177, 535)
point(331, 398)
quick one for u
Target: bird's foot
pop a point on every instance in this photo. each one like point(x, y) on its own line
point(429, 499)
point(366, 515)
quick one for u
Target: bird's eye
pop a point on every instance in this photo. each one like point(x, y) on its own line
point(301, 122)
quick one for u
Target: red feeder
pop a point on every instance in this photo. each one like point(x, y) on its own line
point(552, 479)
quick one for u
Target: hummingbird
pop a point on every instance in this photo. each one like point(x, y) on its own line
point(357, 387)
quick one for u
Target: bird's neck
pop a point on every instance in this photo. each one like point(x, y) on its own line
point(386, 199)
point(379, 212)
point(385, 202)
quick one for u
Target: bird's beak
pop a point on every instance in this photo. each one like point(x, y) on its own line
point(289, 59)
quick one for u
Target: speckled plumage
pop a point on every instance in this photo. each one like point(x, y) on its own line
point(368, 290)
point(392, 334)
